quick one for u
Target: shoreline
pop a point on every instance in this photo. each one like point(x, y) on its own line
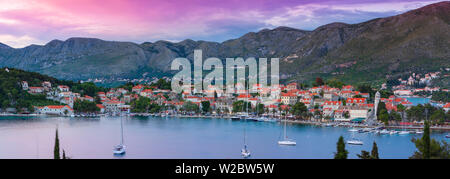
point(315, 123)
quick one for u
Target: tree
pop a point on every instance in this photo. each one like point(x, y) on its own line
point(299, 109)
point(206, 106)
point(438, 116)
point(381, 106)
point(384, 116)
point(190, 107)
point(364, 155)
point(341, 152)
point(319, 82)
point(241, 106)
point(401, 108)
point(85, 106)
point(426, 140)
point(56, 148)
point(374, 153)
point(260, 109)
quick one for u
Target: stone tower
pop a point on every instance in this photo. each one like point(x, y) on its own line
point(377, 101)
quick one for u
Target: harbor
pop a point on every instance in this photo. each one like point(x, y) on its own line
point(189, 137)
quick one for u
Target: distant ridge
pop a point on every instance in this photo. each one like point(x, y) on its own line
point(417, 40)
point(3, 46)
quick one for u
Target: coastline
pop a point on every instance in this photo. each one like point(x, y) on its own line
point(227, 117)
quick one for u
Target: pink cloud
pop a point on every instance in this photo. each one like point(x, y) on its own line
point(149, 20)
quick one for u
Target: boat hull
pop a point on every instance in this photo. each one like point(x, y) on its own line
point(291, 143)
point(355, 143)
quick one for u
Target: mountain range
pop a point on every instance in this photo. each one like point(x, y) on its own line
point(415, 41)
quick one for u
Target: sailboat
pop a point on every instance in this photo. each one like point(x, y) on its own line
point(120, 149)
point(286, 140)
point(403, 132)
point(354, 141)
point(245, 152)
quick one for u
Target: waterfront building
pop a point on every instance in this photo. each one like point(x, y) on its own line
point(403, 93)
point(61, 110)
point(288, 98)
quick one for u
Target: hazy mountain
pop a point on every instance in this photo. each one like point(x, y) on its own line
point(418, 40)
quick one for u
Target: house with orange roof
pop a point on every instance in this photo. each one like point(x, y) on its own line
point(88, 98)
point(291, 86)
point(36, 90)
point(347, 88)
point(356, 101)
point(288, 98)
point(146, 93)
point(63, 88)
point(447, 107)
point(330, 96)
point(137, 88)
point(101, 107)
point(60, 110)
point(334, 105)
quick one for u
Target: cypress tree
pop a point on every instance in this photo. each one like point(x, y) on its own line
point(426, 140)
point(64, 154)
point(341, 152)
point(56, 149)
point(375, 151)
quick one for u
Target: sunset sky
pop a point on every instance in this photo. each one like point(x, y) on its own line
point(25, 22)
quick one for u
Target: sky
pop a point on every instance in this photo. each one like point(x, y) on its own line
point(26, 22)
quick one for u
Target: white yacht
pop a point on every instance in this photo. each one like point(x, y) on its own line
point(120, 149)
point(403, 133)
point(245, 152)
point(384, 131)
point(286, 140)
point(355, 142)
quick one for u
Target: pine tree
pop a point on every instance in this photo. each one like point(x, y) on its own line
point(426, 141)
point(341, 152)
point(364, 155)
point(56, 154)
point(375, 151)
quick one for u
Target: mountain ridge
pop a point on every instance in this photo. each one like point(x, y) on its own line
point(378, 48)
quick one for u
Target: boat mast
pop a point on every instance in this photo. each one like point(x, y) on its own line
point(285, 119)
point(121, 130)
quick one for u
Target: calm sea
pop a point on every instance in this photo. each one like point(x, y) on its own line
point(152, 137)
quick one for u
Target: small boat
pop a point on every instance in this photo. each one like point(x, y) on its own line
point(447, 136)
point(355, 142)
point(353, 130)
point(235, 118)
point(403, 133)
point(245, 152)
point(120, 149)
point(286, 140)
point(384, 131)
point(393, 132)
